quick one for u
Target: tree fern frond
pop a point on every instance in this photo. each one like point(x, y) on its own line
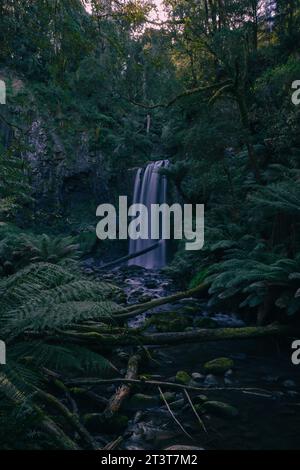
point(40, 316)
point(66, 359)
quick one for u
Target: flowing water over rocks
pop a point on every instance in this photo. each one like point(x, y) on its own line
point(233, 419)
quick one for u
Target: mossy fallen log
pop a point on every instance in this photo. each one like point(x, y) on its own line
point(72, 419)
point(59, 437)
point(218, 334)
point(97, 340)
point(45, 422)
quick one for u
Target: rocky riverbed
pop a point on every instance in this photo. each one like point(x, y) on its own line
point(249, 391)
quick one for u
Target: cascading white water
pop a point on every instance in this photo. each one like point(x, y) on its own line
point(150, 187)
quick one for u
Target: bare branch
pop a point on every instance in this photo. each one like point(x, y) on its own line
point(184, 94)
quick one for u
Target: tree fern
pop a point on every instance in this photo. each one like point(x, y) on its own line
point(250, 277)
point(283, 196)
point(41, 299)
point(57, 250)
point(45, 282)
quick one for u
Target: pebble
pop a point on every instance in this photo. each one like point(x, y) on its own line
point(197, 376)
point(211, 381)
point(228, 373)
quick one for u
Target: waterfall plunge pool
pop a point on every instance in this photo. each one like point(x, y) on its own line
point(151, 223)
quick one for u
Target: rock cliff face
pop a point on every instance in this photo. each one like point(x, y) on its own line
point(62, 179)
point(70, 183)
point(66, 174)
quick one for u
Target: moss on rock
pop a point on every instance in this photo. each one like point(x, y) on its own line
point(220, 409)
point(219, 365)
point(183, 377)
point(170, 321)
point(141, 401)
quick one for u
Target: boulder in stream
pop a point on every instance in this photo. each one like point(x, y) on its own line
point(183, 377)
point(220, 409)
point(219, 365)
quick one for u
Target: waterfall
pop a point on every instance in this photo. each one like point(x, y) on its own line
point(149, 188)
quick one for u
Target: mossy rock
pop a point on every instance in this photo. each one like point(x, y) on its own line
point(183, 377)
point(170, 321)
point(219, 408)
point(219, 365)
point(206, 323)
point(93, 420)
point(141, 401)
point(200, 399)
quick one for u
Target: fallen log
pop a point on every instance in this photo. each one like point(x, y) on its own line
point(136, 309)
point(116, 401)
point(57, 434)
point(128, 257)
point(46, 423)
point(71, 418)
point(218, 334)
point(98, 340)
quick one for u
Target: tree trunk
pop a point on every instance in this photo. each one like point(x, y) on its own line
point(246, 124)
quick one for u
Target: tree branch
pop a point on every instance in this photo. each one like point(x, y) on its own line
point(184, 94)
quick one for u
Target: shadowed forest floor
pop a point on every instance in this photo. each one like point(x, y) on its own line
point(267, 418)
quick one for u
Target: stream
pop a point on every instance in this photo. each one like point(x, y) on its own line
point(268, 419)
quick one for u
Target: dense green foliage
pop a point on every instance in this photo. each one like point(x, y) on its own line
point(209, 89)
point(45, 298)
point(236, 148)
